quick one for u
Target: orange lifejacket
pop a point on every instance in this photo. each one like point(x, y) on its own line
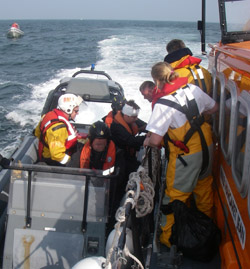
point(109, 159)
point(132, 128)
point(109, 118)
point(51, 118)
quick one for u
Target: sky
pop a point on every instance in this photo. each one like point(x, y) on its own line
point(160, 10)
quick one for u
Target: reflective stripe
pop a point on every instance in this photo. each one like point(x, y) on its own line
point(200, 73)
point(189, 94)
point(70, 128)
point(179, 98)
point(195, 77)
point(47, 123)
point(202, 79)
point(65, 159)
point(108, 171)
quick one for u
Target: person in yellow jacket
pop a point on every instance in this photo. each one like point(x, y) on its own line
point(57, 136)
point(186, 65)
point(176, 118)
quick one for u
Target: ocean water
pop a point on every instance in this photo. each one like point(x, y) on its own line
point(52, 49)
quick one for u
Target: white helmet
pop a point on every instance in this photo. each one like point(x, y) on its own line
point(91, 263)
point(67, 102)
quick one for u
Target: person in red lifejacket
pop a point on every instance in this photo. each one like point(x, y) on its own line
point(57, 136)
point(186, 65)
point(177, 121)
point(15, 25)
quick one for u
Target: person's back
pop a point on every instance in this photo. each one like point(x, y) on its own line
point(182, 61)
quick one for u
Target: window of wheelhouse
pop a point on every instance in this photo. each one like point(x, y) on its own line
point(227, 118)
point(234, 20)
point(240, 159)
point(218, 86)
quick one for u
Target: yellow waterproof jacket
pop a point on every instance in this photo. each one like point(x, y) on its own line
point(55, 139)
point(188, 66)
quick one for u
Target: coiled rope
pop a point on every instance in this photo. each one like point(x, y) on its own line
point(140, 193)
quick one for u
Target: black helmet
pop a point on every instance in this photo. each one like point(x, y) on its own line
point(99, 129)
point(118, 102)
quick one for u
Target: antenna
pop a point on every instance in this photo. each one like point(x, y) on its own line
point(201, 26)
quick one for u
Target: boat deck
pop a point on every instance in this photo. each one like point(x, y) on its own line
point(170, 259)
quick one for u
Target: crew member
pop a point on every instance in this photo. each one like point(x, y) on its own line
point(99, 152)
point(176, 117)
point(146, 89)
point(57, 136)
point(181, 59)
point(124, 130)
point(118, 102)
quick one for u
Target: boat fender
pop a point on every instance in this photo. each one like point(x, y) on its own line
point(92, 263)
point(113, 241)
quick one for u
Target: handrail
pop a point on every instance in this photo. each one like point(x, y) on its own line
point(62, 170)
point(92, 72)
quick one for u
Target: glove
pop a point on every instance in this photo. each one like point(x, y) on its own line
point(4, 162)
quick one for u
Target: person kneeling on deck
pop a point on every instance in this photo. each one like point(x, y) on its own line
point(57, 136)
point(176, 117)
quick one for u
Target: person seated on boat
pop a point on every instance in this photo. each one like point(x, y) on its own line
point(100, 152)
point(186, 65)
point(124, 130)
point(146, 89)
point(57, 136)
point(176, 119)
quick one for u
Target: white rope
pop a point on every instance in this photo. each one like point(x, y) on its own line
point(111, 250)
point(120, 217)
point(128, 253)
point(140, 193)
point(144, 197)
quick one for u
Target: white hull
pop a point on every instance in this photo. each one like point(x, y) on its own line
point(14, 33)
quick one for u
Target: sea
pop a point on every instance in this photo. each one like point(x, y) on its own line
point(50, 50)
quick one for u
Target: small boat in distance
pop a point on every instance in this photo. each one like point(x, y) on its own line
point(14, 31)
